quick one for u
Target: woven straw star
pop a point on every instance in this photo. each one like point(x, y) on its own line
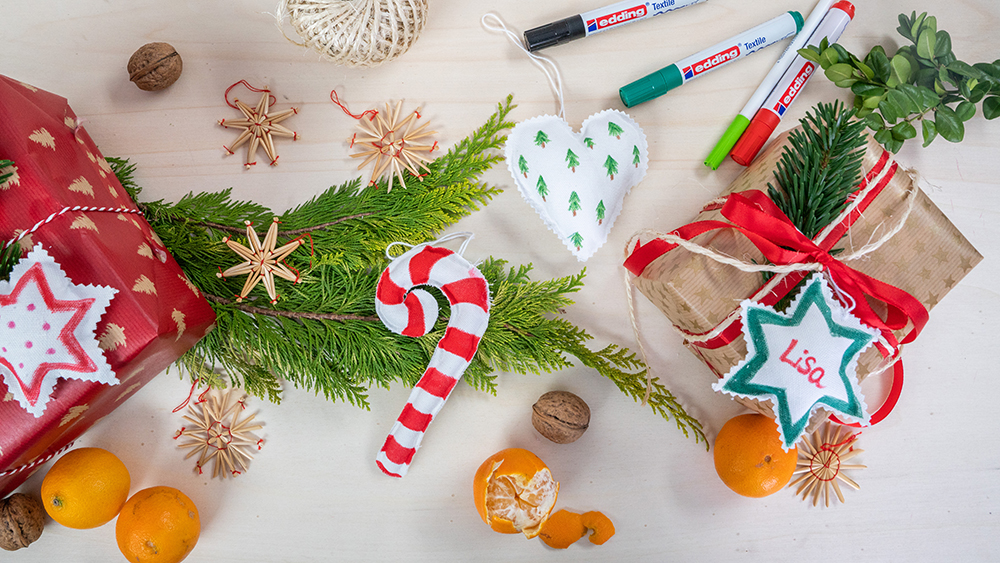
point(260, 126)
point(220, 432)
point(390, 144)
point(821, 463)
point(262, 261)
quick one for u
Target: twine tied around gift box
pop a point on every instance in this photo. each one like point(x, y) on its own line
point(822, 262)
point(65, 210)
point(358, 33)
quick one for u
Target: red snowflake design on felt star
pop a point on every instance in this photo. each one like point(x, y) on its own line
point(44, 336)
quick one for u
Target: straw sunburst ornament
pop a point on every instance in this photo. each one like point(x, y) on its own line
point(389, 143)
point(221, 432)
point(821, 463)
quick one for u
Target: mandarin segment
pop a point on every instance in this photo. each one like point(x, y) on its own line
point(749, 458)
point(85, 488)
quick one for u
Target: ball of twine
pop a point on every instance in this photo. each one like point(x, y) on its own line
point(355, 33)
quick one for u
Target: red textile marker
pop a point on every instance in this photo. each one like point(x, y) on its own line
point(789, 87)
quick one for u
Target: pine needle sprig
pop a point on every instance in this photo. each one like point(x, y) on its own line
point(324, 335)
point(819, 168)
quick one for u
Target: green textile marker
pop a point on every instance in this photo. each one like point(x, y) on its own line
point(703, 62)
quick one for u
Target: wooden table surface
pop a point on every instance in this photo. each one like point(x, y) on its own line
point(930, 491)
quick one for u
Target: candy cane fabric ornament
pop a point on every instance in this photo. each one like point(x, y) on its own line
point(406, 308)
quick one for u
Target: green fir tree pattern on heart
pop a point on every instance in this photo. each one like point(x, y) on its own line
point(614, 130)
point(542, 187)
point(572, 161)
point(589, 142)
point(523, 165)
point(611, 165)
point(574, 203)
point(541, 138)
point(635, 155)
point(600, 212)
point(577, 240)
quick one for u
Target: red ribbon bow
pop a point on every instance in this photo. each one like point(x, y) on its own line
point(772, 232)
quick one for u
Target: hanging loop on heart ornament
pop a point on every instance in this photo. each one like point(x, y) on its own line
point(355, 33)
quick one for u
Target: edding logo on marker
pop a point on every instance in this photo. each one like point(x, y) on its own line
point(710, 62)
point(794, 88)
point(626, 15)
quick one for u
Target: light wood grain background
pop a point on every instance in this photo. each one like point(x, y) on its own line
point(930, 493)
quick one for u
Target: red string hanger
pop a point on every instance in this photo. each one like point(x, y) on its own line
point(259, 126)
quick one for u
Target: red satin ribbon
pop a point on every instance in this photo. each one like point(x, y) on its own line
point(754, 215)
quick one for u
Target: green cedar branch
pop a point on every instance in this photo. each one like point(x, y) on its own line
point(323, 333)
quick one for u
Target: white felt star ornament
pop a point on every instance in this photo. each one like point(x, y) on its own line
point(47, 331)
point(802, 360)
point(262, 260)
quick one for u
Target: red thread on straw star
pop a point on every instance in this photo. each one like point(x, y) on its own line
point(220, 433)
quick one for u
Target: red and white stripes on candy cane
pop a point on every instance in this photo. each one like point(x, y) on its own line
point(411, 311)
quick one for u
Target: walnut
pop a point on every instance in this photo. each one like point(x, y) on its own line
point(154, 66)
point(560, 416)
point(21, 521)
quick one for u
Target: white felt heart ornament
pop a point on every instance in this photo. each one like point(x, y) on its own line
point(577, 181)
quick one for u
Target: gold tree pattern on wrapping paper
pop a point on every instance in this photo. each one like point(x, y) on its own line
point(821, 463)
point(262, 261)
point(260, 126)
point(390, 145)
point(220, 432)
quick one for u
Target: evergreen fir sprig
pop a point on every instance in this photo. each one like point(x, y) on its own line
point(323, 334)
point(921, 82)
point(819, 168)
point(7, 257)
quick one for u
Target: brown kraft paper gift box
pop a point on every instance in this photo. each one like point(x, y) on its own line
point(926, 258)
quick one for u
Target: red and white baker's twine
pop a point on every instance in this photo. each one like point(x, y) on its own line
point(37, 462)
point(64, 210)
point(411, 311)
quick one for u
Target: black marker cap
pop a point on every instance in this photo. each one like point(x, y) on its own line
point(555, 33)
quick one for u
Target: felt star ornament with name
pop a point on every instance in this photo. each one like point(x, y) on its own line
point(47, 331)
point(802, 360)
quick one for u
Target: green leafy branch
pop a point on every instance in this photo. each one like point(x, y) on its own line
point(922, 82)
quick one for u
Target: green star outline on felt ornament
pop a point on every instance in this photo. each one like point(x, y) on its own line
point(754, 377)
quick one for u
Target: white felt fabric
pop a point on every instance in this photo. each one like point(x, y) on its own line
point(578, 181)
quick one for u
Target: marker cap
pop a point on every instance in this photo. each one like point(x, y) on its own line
point(555, 33)
point(759, 131)
point(727, 142)
point(651, 86)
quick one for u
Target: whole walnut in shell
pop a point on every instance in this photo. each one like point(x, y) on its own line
point(21, 521)
point(560, 416)
point(154, 66)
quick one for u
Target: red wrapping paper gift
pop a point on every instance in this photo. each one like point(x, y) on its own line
point(157, 313)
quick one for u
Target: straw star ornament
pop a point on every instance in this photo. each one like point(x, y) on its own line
point(260, 126)
point(390, 145)
point(262, 261)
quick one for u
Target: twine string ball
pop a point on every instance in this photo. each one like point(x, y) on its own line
point(355, 33)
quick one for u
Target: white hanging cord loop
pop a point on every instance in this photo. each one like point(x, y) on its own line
point(493, 22)
point(468, 236)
